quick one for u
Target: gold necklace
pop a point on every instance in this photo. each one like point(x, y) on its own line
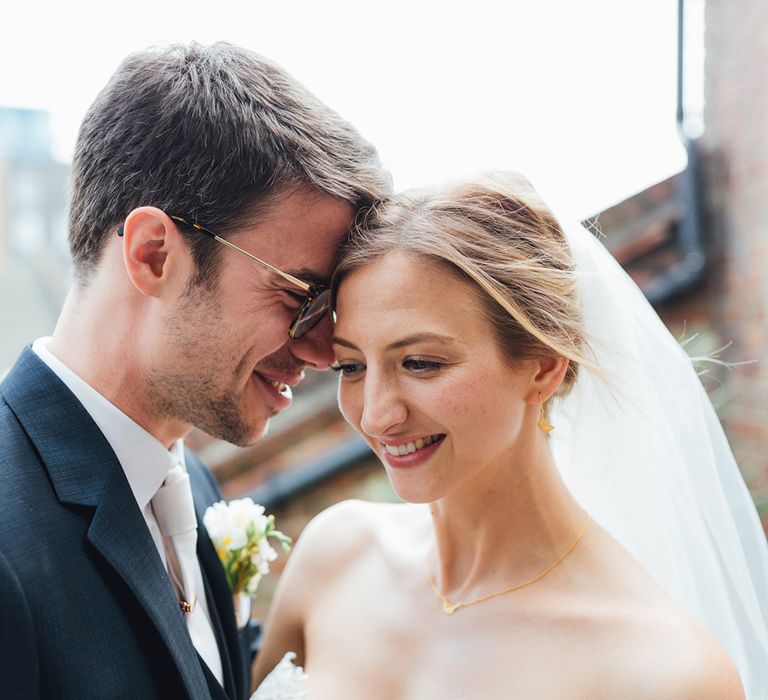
point(449, 608)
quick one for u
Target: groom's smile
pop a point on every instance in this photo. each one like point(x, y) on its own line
point(234, 362)
point(278, 386)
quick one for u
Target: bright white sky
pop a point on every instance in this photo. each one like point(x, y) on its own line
point(579, 95)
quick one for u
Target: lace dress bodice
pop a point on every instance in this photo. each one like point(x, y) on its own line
point(285, 682)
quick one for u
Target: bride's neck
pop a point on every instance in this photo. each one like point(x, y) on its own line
point(504, 526)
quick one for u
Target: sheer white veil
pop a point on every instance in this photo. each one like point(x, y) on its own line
point(643, 451)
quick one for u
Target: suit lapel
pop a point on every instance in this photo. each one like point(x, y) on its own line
point(119, 533)
point(222, 616)
point(217, 692)
point(84, 471)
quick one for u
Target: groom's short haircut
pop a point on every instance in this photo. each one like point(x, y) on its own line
point(207, 133)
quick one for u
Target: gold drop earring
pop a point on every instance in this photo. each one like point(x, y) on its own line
point(544, 425)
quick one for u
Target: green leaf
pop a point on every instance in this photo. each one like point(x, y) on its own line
point(283, 539)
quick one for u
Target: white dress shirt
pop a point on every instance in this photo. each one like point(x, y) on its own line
point(144, 459)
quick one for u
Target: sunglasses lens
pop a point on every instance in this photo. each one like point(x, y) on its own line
point(310, 315)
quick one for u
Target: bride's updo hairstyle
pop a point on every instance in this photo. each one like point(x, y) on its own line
point(497, 233)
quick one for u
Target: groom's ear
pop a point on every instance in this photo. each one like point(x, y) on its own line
point(548, 375)
point(154, 252)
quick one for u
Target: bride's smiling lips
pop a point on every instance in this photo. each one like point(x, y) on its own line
point(410, 452)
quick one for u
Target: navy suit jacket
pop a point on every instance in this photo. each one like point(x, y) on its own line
point(86, 607)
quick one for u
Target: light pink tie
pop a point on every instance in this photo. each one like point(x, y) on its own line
point(175, 513)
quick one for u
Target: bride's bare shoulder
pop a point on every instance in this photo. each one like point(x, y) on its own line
point(676, 659)
point(653, 647)
point(345, 531)
point(367, 517)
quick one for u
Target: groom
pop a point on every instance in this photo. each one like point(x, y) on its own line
point(165, 328)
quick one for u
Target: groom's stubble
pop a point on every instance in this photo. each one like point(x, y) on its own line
point(201, 387)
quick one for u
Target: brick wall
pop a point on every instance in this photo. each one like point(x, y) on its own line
point(735, 144)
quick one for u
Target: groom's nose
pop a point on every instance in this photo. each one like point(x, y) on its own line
point(314, 349)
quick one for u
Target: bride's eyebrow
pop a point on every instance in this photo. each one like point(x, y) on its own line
point(402, 342)
point(344, 343)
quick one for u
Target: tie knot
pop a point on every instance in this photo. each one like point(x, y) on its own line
point(173, 505)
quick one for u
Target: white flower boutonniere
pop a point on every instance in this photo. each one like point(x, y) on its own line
point(240, 533)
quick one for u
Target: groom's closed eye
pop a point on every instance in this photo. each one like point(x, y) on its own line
point(310, 276)
point(297, 296)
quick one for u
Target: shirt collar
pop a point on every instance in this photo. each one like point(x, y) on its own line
point(144, 459)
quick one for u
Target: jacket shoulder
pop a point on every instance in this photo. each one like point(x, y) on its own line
point(18, 458)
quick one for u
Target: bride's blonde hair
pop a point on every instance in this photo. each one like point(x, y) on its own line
point(497, 233)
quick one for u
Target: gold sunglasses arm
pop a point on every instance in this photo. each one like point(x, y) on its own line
point(295, 280)
point(284, 275)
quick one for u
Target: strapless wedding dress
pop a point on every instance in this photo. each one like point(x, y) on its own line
point(285, 682)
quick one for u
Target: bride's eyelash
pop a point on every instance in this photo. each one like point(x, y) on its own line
point(347, 369)
point(416, 365)
point(420, 365)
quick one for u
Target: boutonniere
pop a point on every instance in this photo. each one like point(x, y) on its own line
point(240, 532)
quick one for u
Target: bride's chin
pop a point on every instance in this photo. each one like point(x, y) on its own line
point(417, 494)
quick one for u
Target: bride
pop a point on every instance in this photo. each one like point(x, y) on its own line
point(574, 525)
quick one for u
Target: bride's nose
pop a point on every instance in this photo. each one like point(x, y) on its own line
point(384, 408)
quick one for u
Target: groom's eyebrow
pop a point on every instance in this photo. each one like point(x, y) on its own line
point(402, 342)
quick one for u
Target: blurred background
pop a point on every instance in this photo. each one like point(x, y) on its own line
point(646, 118)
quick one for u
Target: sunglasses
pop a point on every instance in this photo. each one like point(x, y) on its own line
point(317, 297)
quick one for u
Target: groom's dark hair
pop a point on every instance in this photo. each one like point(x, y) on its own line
point(207, 133)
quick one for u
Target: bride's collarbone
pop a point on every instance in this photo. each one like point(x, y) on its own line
point(471, 656)
point(466, 662)
point(601, 617)
point(514, 637)
point(507, 642)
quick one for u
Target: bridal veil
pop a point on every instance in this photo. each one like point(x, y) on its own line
point(643, 451)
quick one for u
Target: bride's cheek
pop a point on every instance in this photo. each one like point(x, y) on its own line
point(350, 405)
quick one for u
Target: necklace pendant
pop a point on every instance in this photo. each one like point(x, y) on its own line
point(450, 608)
